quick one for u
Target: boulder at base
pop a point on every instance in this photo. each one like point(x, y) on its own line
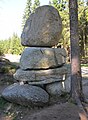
point(55, 88)
point(26, 95)
point(43, 28)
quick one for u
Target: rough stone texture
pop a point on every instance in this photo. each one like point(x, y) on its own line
point(43, 82)
point(67, 84)
point(40, 75)
point(59, 87)
point(42, 58)
point(85, 90)
point(55, 88)
point(26, 95)
point(43, 28)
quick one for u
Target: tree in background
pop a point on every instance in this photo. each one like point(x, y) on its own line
point(35, 5)
point(62, 7)
point(27, 11)
point(58, 4)
point(83, 28)
point(11, 45)
point(76, 77)
point(30, 8)
point(1, 47)
point(15, 45)
point(4, 46)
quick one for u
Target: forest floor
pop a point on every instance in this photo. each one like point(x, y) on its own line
point(61, 109)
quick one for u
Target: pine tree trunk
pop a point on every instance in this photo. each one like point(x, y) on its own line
point(76, 78)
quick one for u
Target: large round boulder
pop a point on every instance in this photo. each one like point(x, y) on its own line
point(43, 28)
point(26, 95)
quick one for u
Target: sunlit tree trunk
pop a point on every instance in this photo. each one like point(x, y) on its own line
point(76, 78)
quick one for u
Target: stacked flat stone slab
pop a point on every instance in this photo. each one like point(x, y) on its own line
point(50, 75)
point(42, 58)
point(40, 63)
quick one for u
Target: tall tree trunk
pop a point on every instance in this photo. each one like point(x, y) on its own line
point(76, 78)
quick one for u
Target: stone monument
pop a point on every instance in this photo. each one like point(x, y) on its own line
point(42, 66)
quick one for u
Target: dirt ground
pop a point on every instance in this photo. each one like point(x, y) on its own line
point(66, 111)
point(58, 111)
point(61, 109)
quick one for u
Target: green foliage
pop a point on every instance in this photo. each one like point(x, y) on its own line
point(62, 7)
point(11, 45)
point(4, 69)
point(1, 46)
point(4, 46)
point(59, 4)
point(2, 103)
point(29, 9)
point(65, 95)
point(83, 28)
point(84, 65)
point(35, 5)
point(7, 67)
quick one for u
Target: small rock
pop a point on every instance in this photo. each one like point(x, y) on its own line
point(55, 88)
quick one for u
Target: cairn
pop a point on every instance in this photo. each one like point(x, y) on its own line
point(42, 66)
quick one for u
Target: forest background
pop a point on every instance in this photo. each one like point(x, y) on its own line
point(12, 45)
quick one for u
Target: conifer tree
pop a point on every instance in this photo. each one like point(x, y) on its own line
point(76, 78)
point(35, 5)
point(58, 4)
point(27, 11)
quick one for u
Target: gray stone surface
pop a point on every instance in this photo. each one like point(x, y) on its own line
point(43, 82)
point(60, 78)
point(67, 84)
point(26, 95)
point(85, 91)
point(55, 88)
point(42, 58)
point(43, 28)
point(40, 75)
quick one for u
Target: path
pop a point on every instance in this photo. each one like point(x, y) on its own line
point(66, 111)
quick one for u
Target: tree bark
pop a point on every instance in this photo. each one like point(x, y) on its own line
point(76, 78)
